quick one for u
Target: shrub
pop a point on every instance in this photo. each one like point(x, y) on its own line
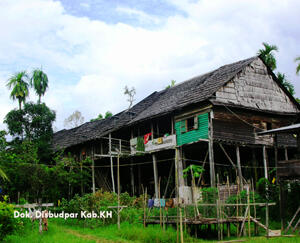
point(8, 224)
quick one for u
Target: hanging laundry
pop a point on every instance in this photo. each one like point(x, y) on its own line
point(156, 202)
point(162, 202)
point(150, 203)
point(170, 203)
point(147, 137)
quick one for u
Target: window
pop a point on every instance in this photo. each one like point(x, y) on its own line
point(191, 123)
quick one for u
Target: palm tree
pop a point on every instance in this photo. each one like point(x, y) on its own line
point(18, 84)
point(3, 175)
point(267, 55)
point(287, 84)
point(297, 59)
point(39, 81)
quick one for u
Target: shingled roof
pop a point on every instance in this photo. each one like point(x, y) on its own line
point(189, 92)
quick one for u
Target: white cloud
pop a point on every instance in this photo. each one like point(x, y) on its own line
point(141, 15)
point(89, 61)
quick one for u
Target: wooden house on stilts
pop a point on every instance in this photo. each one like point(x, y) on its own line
point(210, 120)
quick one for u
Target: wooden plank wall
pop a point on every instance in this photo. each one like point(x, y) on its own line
point(241, 127)
point(255, 88)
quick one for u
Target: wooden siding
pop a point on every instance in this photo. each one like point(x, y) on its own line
point(184, 137)
point(289, 168)
point(241, 127)
point(255, 88)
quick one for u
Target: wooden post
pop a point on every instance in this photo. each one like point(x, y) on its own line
point(254, 164)
point(118, 171)
point(265, 161)
point(155, 175)
point(139, 179)
point(111, 164)
point(281, 204)
point(172, 125)
point(177, 191)
point(238, 158)
point(211, 153)
point(276, 157)
point(132, 178)
point(286, 154)
point(179, 165)
point(267, 189)
point(248, 202)
point(93, 170)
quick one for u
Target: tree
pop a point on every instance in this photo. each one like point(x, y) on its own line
point(19, 85)
point(172, 84)
point(100, 116)
point(108, 114)
point(267, 55)
point(130, 93)
point(39, 81)
point(297, 59)
point(74, 120)
point(3, 145)
point(33, 124)
point(287, 84)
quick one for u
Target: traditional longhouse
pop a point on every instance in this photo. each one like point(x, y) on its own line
point(210, 120)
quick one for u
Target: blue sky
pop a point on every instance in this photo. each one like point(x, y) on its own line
point(91, 49)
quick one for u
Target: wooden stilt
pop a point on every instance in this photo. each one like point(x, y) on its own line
point(118, 172)
point(132, 178)
point(155, 175)
point(238, 159)
point(211, 153)
point(254, 164)
point(267, 189)
point(286, 154)
point(111, 164)
point(93, 171)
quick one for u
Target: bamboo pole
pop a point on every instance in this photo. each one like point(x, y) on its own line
point(160, 215)
point(118, 171)
point(248, 200)
point(254, 206)
point(181, 229)
point(111, 164)
point(177, 192)
point(237, 204)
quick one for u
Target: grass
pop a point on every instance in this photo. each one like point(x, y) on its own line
point(65, 233)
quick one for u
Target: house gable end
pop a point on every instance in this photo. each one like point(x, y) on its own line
point(254, 87)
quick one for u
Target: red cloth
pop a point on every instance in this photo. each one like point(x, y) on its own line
point(147, 137)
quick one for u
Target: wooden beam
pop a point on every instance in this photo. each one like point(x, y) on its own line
point(93, 171)
point(211, 153)
point(238, 159)
point(180, 167)
point(132, 178)
point(265, 161)
point(111, 164)
point(286, 154)
point(155, 175)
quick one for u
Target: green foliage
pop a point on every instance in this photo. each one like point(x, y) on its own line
point(39, 81)
point(195, 170)
point(33, 123)
point(8, 224)
point(172, 84)
point(297, 59)
point(287, 84)
point(100, 201)
point(20, 87)
point(267, 55)
point(100, 116)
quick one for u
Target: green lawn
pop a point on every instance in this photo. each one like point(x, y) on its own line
point(60, 232)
